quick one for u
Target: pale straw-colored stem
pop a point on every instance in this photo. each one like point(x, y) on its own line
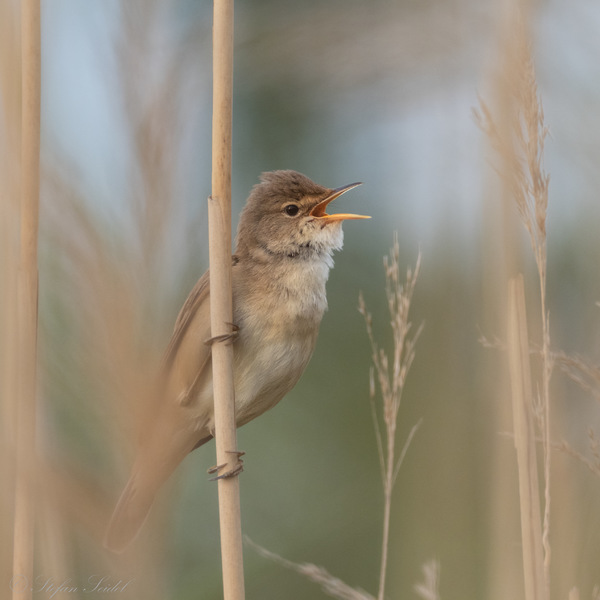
point(547, 368)
point(219, 218)
point(27, 301)
point(388, 485)
point(525, 443)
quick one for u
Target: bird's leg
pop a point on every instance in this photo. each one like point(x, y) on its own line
point(236, 470)
point(226, 337)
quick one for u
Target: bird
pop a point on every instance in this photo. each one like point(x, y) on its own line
point(284, 247)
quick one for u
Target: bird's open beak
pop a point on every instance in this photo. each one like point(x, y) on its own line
point(319, 210)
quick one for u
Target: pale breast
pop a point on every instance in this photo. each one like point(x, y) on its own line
point(277, 336)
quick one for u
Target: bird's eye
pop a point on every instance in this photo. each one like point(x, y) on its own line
point(291, 210)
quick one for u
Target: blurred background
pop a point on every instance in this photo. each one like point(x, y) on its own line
point(341, 90)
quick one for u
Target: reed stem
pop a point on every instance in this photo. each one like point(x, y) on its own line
point(23, 548)
point(219, 217)
point(525, 443)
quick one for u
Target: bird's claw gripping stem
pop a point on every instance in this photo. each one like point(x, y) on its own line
point(236, 470)
point(226, 337)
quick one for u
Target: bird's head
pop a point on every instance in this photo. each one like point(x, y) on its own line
point(286, 214)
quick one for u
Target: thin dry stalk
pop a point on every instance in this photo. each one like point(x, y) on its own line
point(519, 141)
point(391, 377)
point(10, 110)
point(329, 584)
point(27, 298)
point(525, 443)
point(219, 216)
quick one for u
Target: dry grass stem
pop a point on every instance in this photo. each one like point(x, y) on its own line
point(331, 585)
point(9, 259)
point(391, 376)
point(429, 588)
point(27, 313)
point(536, 587)
point(219, 219)
point(519, 141)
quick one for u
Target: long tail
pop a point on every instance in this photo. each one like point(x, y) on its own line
point(156, 461)
point(130, 513)
point(149, 473)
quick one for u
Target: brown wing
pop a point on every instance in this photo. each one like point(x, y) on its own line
point(187, 356)
point(199, 295)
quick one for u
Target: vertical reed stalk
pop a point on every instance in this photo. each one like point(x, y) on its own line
point(525, 443)
point(219, 216)
point(519, 140)
point(388, 482)
point(547, 368)
point(27, 299)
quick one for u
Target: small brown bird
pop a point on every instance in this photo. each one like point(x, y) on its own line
point(285, 242)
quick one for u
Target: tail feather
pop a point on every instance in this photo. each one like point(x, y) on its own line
point(129, 515)
point(153, 467)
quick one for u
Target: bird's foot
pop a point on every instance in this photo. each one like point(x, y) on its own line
point(233, 472)
point(226, 337)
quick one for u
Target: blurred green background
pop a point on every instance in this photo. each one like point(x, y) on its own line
point(343, 91)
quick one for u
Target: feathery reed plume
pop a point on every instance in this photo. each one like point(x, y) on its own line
point(593, 464)
point(587, 376)
point(391, 377)
point(581, 371)
point(331, 585)
point(519, 141)
point(104, 289)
